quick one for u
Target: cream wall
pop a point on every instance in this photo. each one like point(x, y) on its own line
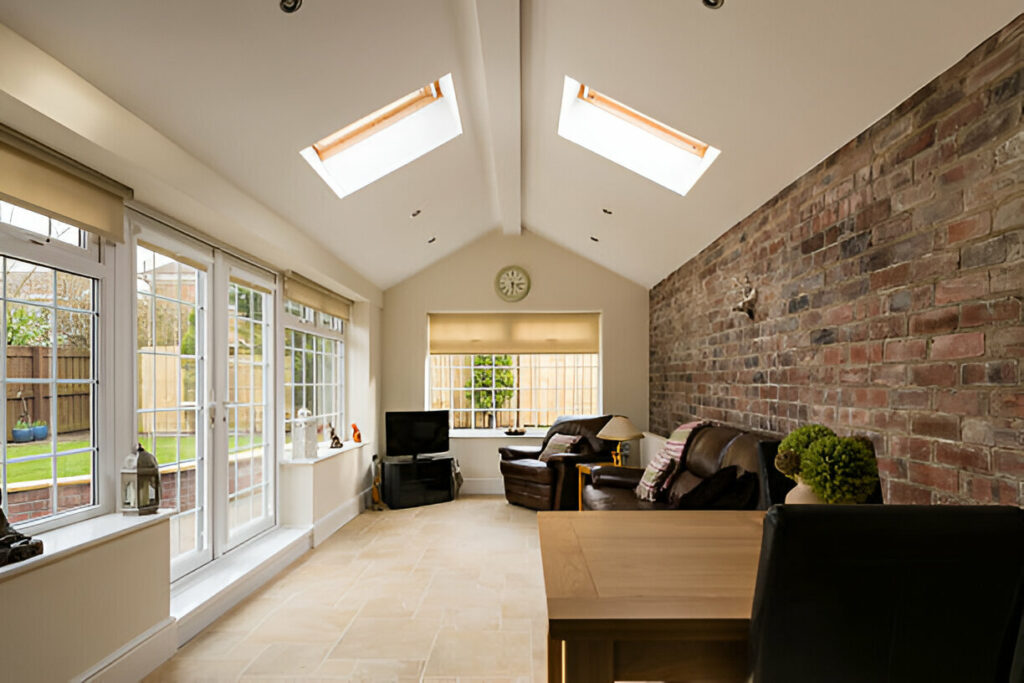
point(560, 281)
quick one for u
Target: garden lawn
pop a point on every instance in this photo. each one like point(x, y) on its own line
point(81, 463)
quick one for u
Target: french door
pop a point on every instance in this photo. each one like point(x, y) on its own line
point(204, 370)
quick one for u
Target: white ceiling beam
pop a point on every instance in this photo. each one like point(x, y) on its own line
point(493, 58)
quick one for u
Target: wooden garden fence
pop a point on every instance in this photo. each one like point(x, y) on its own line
point(73, 401)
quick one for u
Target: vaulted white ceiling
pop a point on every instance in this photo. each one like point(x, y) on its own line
point(242, 87)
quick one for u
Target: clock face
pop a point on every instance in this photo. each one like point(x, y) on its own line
point(512, 283)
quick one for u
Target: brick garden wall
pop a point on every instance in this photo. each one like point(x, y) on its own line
point(890, 281)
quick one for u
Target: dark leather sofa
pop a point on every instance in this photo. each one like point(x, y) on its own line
point(553, 485)
point(711, 449)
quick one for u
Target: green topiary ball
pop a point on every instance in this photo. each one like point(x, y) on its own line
point(793, 447)
point(840, 470)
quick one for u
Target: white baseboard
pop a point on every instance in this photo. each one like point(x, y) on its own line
point(339, 517)
point(136, 658)
point(213, 590)
point(482, 486)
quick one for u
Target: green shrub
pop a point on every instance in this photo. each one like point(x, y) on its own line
point(789, 460)
point(840, 470)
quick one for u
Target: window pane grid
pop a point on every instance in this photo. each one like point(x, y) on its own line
point(313, 380)
point(48, 456)
point(525, 390)
point(170, 340)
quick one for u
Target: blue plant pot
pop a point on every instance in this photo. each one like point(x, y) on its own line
point(21, 435)
point(40, 432)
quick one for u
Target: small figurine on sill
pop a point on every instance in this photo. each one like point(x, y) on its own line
point(335, 441)
point(356, 435)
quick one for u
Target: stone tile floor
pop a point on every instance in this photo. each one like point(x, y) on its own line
point(449, 592)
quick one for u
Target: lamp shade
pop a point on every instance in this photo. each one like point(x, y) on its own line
point(619, 428)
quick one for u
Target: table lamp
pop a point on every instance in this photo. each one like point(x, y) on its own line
point(619, 429)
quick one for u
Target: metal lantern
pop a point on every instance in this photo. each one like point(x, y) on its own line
point(140, 483)
point(303, 436)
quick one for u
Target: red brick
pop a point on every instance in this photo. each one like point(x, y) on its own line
point(936, 425)
point(904, 349)
point(935, 321)
point(963, 457)
point(939, 374)
point(912, 448)
point(902, 493)
point(977, 225)
point(911, 399)
point(1007, 403)
point(967, 345)
point(1009, 463)
point(892, 468)
point(975, 314)
point(942, 478)
point(970, 403)
point(972, 286)
point(1007, 342)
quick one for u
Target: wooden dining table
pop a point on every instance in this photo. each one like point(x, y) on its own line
point(649, 595)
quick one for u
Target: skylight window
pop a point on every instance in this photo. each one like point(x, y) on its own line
point(389, 138)
point(621, 134)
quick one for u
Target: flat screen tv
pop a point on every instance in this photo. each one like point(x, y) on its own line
point(416, 432)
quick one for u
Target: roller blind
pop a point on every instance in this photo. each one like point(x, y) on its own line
point(308, 293)
point(41, 180)
point(515, 332)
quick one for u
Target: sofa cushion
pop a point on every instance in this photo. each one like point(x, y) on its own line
point(528, 469)
point(704, 456)
point(559, 443)
point(613, 498)
point(730, 488)
point(659, 468)
point(742, 452)
point(683, 484)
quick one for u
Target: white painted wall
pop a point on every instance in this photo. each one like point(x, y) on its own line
point(560, 281)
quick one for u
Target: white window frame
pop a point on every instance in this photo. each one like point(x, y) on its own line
point(97, 260)
point(318, 327)
point(227, 268)
point(184, 248)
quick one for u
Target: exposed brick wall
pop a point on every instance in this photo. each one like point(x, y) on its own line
point(890, 280)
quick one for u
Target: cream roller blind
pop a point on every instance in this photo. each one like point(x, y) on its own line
point(42, 181)
point(308, 293)
point(515, 332)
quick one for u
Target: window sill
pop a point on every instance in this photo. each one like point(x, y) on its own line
point(494, 434)
point(324, 453)
point(74, 538)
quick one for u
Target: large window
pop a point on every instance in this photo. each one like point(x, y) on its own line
point(500, 370)
point(513, 390)
point(48, 464)
point(314, 369)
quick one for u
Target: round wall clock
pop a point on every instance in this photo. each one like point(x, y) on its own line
point(512, 283)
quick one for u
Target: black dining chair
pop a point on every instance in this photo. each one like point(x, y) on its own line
point(889, 593)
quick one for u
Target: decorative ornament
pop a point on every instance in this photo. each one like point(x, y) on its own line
point(303, 436)
point(512, 283)
point(357, 436)
point(748, 297)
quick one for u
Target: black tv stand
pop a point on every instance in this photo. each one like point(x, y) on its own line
point(411, 480)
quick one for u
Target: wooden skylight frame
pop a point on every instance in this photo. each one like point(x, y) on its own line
point(373, 123)
point(630, 115)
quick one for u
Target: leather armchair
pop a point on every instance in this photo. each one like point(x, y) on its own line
point(553, 485)
point(851, 593)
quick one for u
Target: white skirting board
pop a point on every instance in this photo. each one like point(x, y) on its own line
point(483, 486)
point(339, 517)
point(136, 658)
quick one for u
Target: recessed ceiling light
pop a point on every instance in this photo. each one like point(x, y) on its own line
point(415, 213)
point(623, 135)
point(607, 211)
point(389, 138)
point(431, 240)
point(594, 239)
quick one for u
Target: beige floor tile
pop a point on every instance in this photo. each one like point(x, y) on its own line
point(288, 659)
point(302, 624)
point(373, 638)
point(480, 653)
